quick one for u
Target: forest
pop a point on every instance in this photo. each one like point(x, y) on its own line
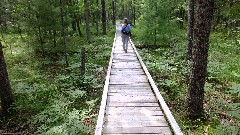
point(54, 57)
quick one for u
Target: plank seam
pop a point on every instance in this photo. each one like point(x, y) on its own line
point(176, 129)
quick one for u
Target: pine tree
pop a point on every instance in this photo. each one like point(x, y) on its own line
point(200, 54)
point(190, 27)
point(6, 93)
point(104, 18)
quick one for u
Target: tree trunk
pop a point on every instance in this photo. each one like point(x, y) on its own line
point(230, 24)
point(41, 41)
point(200, 54)
point(114, 14)
point(63, 33)
point(190, 28)
point(97, 16)
point(6, 93)
point(86, 11)
point(181, 15)
point(134, 14)
point(123, 10)
point(74, 27)
point(54, 38)
point(83, 61)
point(78, 27)
point(104, 18)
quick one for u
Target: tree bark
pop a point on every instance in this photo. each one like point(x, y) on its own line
point(78, 27)
point(74, 27)
point(190, 28)
point(83, 61)
point(114, 12)
point(134, 14)
point(97, 16)
point(86, 11)
point(54, 38)
point(123, 10)
point(200, 54)
point(63, 32)
point(6, 93)
point(104, 18)
point(41, 41)
point(181, 15)
point(230, 24)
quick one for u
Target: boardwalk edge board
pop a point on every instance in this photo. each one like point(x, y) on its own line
point(176, 129)
point(100, 121)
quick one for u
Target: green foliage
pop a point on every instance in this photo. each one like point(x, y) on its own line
point(156, 25)
point(170, 72)
point(51, 98)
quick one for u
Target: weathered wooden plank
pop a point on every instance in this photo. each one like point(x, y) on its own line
point(117, 104)
point(126, 118)
point(134, 134)
point(129, 84)
point(134, 112)
point(146, 109)
point(127, 81)
point(129, 87)
point(110, 93)
point(127, 72)
point(125, 57)
point(122, 53)
point(125, 88)
point(126, 63)
point(122, 60)
point(130, 100)
point(136, 124)
point(124, 77)
point(130, 93)
point(128, 78)
point(126, 66)
point(128, 97)
point(133, 82)
point(137, 130)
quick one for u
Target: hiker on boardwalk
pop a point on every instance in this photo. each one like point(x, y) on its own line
point(125, 28)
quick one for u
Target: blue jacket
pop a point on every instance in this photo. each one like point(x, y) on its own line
point(127, 29)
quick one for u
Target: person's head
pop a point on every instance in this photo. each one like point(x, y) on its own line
point(125, 21)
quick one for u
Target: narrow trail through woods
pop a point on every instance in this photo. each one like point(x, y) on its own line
point(129, 103)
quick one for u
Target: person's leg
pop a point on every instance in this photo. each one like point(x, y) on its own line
point(125, 44)
point(127, 40)
point(123, 40)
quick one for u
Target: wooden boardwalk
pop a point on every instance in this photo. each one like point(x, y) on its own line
point(131, 102)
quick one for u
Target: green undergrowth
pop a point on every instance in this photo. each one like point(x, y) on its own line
point(51, 98)
point(170, 70)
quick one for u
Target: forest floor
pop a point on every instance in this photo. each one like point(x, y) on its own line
point(51, 98)
point(170, 70)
